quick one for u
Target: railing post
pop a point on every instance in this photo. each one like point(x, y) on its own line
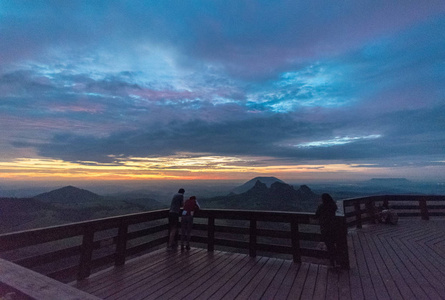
point(253, 235)
point(211, 234)
point(423, 209)
point(358, 214)
point(295, 240)
point(342, 243)
point(86, 253)
point(121, 244)
point(370, 210)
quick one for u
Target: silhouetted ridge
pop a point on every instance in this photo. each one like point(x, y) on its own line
point(268, 181)
point(258, 188)
point(305, 190)
point(279, 196)
point(69, 194)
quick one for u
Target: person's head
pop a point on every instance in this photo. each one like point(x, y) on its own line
point(326, 198)
point(181, 191)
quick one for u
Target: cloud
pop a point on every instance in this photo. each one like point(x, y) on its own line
point(275, 136)
point(92, 82)
point(244, 38)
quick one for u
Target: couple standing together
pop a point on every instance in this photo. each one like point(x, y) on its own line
point(189, 208)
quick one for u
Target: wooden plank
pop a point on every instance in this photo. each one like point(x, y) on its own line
point(363, 272)
point(38, 286)
point(374, 275)
point(400, 272)
point(193, 278)
point(133, 276)
point(426, 250)
point(245, 278)
point(286, 286)
point(383, 272)
point(297, 286)
point(204, 288)
point(277, 281)
point(354, 274)
point(261, 281)
point(424, 278)
point(309, 285)
point(332, 284)
point(344, 289)
point(105, 278)
point(159, 276)
point(321, 284)
point(395, 276)
point(430, 246)
point(224, 283)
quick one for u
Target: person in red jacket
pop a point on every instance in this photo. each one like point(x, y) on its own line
point(190, 206)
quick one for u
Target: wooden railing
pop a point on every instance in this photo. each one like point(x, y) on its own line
point(17, 282)
point(358, 211)
point(74, 251)
point(299, 230)
point(71, 251)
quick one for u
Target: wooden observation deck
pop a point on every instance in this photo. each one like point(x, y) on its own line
point(403, 261)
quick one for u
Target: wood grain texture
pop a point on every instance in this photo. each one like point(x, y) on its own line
point(405, 261)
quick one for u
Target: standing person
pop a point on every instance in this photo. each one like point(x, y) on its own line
point(173, 217)
point(326, 214)
point(190, 206)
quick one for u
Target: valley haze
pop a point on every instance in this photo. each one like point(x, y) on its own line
point(163, 189)
point(29, 207)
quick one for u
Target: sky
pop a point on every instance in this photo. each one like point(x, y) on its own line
point(167, 90)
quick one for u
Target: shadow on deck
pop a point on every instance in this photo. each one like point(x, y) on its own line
point(405, 261)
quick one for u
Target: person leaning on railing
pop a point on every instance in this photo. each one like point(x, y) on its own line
point(190, 206)
point(173, 217)
point(326, 215)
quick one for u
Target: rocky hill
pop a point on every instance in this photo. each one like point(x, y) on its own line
point(268, 181)
point(69, 195)
point(279, 196)
point(65, 205)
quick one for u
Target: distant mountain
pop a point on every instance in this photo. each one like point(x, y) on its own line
point(279, 196)
point(268, 181)
point(69, 195)
point(65, 205)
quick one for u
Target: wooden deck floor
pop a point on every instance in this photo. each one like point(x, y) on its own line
point(406, 261)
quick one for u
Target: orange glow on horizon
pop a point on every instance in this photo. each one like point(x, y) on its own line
point(180, 167)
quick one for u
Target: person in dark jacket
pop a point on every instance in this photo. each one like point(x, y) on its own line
point(173, 217)
point(326, 215)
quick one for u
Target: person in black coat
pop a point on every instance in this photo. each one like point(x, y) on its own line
point(326, 215)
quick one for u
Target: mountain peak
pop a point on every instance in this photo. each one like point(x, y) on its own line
point(70, 195)
point(279, 196)
point(267, 181)
point(258, 188)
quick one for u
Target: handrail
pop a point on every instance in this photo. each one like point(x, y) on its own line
point(22, 283)
point(78, 249)
point(303, 233)
point(362, 210)
point(82, 246)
